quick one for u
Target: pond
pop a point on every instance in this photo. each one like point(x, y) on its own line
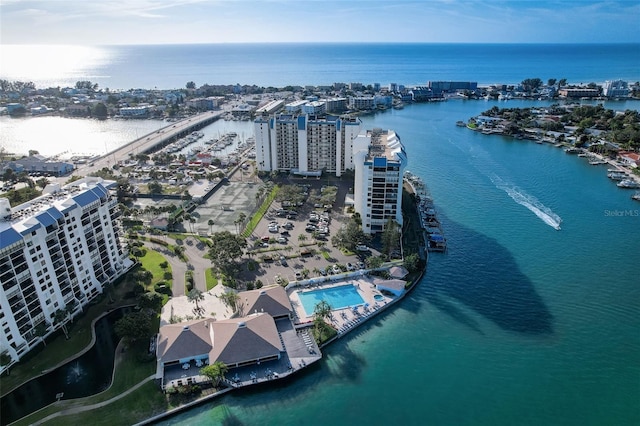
point(84, 376)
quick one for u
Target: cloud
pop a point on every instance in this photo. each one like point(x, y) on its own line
point(203, 21)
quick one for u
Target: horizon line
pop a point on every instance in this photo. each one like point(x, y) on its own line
point(332, 42)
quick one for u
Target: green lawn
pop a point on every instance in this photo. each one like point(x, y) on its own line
point(257, 217)
point(151, 262)
point(145, 402)
point(211, 278)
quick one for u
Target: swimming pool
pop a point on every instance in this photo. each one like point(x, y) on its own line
point(337, 297)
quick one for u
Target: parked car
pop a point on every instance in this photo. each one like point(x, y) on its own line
point(282, 240)
point(362, 247)
point(350, 267)
point(266, 238)
point(336, 269)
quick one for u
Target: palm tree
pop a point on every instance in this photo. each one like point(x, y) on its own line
point(322, 310)
point(215, 371)
point(40, 331)
point(195, 296)
point(60, 316)
point(230, 298)
point(302, 237)
point(210, 222)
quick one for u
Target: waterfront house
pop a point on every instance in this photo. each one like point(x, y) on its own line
point(186, 347)
point(271, 300)
point(630, 158)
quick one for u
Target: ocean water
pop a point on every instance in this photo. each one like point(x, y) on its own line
point(518, 323)
point(279, 65)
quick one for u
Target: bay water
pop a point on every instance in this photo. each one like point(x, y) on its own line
point(518, 323)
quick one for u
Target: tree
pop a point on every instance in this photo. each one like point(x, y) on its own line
point(60, 317)
point(152, 302)
point(190, 85)
point(5, 358)
point(390, 236)
point(154, 187)
point(230, 299)
point(40, 331)
point(42, 182)
point(531, 84)
point(374, 261)
point(239, 221)
point(134, 327)
point(551, 82)
point(226, 250)
point(412, 262)
point(215, 371)
point(100, 111)
point(210, 222)
point(195, 296)
point(321, 312)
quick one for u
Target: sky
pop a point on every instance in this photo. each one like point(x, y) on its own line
point(109, 22)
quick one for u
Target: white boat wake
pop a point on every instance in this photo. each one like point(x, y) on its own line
point(529, 201)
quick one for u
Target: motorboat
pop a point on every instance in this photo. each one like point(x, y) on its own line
point(628, 183)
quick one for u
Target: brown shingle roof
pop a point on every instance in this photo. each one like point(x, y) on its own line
point(184, 340)
point(244, 339)
point(272, 300)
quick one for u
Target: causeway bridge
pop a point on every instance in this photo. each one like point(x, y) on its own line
point(152, 142)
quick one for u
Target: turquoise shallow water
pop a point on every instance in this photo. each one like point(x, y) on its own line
point(517, 324)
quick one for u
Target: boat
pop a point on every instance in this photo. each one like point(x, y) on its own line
point(636, 196)
point(616, 175)
point(572, 150)
point(461, 123)
point(431, 228)
point(596, 162)
point(628, 184)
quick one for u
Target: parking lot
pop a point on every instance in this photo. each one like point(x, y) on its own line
point(291, 245)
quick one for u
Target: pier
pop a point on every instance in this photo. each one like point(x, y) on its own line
point(152, 142)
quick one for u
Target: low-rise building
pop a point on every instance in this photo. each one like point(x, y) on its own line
point(38, 164)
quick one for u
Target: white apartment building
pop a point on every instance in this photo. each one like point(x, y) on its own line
point(58, 250)
point(305, 144)
point(314, 108)
point(380, 161)
point(616, 89)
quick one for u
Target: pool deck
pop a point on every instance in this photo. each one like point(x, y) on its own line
point(346, 318)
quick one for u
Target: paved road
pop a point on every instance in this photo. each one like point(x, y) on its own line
point(145, 142)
